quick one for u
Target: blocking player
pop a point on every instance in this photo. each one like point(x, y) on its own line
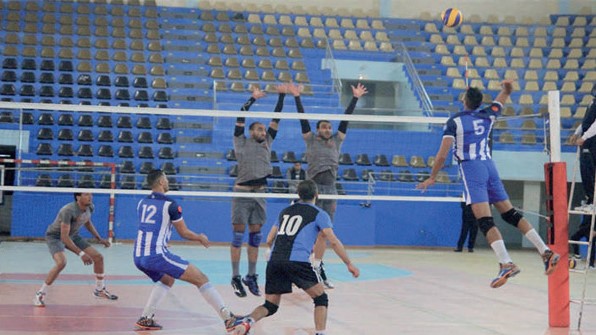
point(322, 155)
point(254, 166)
point(467, 133)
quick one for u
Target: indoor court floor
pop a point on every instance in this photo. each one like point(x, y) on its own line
point(400, 291)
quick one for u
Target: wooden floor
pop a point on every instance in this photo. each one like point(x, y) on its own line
point(401, 291)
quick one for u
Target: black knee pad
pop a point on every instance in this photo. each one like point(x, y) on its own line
point(270, 307)
point(512, 217)
point(485, 224)
point(321, 300)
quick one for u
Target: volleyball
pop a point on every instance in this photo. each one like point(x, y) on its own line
point(572, 263)
point(452, 17)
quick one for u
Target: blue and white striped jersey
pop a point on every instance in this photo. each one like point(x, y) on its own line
point(156, 213)
point(471, 132)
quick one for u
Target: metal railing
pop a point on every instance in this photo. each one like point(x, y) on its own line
point(404, 57)
point(331, 65)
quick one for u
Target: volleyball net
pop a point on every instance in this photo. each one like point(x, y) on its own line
point(383, 156)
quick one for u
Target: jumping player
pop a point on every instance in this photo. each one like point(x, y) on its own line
point(292, 239)
point(468, 133)
point(322, 155)
point(254, 166)
point(63, 234)
point(157, 213)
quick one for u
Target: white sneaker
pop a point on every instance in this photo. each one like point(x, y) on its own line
point(587, 208)
point(39, 299)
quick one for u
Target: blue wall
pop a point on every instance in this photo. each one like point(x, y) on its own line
point(384, 223)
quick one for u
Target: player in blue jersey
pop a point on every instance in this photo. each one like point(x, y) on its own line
point(157, 215)
point(467, 133)
point(292, 239)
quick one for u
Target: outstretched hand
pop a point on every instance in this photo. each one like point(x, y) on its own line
point(359, 90)
point(293, 89)
point(257, 93)
point(204, 240)
point(507, 85)
point(425, 184)
point(281, 88)
point(354, 270)
point(105, 243)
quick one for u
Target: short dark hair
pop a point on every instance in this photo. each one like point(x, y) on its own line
point(307, 190)
point(322, 121)
point(253, 125)
point(473, 97)
point(77, 194)
point(153, 177)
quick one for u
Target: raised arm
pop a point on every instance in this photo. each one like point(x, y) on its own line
point(240, 121)
point(295, 91)
point(357, 92)
point(281, 90)
point(506, 89)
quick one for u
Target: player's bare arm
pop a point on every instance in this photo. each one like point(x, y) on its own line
point(339, 249)
point(190, 235)
point(440, 158)
point(506, 89)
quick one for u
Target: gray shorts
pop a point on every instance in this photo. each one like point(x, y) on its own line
point(56, 245)
point(328, 205)
point(249, 210)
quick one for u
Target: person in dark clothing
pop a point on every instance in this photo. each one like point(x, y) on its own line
point(584, 137)
point(469, 228)
point(294, 175)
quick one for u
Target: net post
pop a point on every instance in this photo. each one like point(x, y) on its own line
point(558, 233)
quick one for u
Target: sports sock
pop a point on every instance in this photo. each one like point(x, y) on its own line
point(235, 269)
point(252, 268)
point(212, 297)
point(533, 236)
point(43, 288)
point(501, 252)
point(99, 282)
point(158, 293)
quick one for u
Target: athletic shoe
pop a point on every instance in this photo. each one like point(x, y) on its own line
point(253, 285)
point(145, 323)
point(238, 288)
point(238, 325)
point(550, 260)
point(457, 250)
point(39, 299)
point(104, 294)
point(506, 271)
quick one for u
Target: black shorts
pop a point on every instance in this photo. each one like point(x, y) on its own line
point(281, 275)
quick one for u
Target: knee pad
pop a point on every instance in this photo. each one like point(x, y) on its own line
point(237, 240)
point(321, 300)
point(270, 307)
point(512, 217)
point(485, 224)
point(254, 239)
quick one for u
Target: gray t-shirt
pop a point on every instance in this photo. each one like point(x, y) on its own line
point(253, 158)
point(70, 214)
point(322, 155)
